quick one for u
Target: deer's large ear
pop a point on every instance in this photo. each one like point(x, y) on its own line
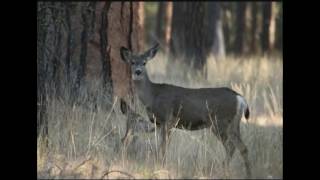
point(125, 54)
point(123, 106)
point(152, 52)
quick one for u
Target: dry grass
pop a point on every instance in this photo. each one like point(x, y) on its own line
point(85, 142)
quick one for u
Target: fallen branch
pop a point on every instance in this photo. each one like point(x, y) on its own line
point(82, 163)
point(58, 167)
point(122, 172)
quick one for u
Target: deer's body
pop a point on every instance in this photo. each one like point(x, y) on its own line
point(219, 109)
point(191, 106)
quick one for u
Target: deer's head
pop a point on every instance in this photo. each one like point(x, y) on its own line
point(138, 62)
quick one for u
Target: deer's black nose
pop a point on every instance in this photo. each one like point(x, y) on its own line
point(138, 72)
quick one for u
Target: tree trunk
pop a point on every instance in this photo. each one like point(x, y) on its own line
point(192, 35)
point(240, 27)
point(86, 19)
point(163, 28)
point(47, 65)
point(272, 27)
point(215, 23)
point(80, 42)
point(167, 25)
point(121, 25)
point(124, 30)
point(139, 25)
point(227, 24)
point(265, 34)
point(159, 25)
point(254, 13)
point(279, 28)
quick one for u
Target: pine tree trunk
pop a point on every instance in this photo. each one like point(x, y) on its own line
point(227, 21)
point(79, 42)
point(272, 27)
point(265, 34)
point(215, 23)
point(164, 18)
point(254, 11)
point(192, 35)
point(160, 19)
point(279, 29)
point(126, 33)
point(240, 27)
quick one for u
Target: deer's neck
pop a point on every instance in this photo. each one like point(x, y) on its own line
point(144, 90)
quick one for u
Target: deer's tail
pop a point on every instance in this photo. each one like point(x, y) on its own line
point(247, 112)
point(244, 106)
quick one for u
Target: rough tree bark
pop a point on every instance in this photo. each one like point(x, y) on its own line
point(45, 61)
point(124, 30)
point(192, 34)
point(79, 42)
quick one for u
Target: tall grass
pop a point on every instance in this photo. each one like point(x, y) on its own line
point(84, 140)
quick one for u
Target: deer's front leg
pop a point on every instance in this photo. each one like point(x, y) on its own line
point(150, 115)
point(164, 135)
point(166, 128)
point(129, 130)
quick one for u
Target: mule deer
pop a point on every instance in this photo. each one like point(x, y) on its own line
point(135, 122)
point(219, 109)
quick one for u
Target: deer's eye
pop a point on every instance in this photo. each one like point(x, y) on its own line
point(144, 63)
point(132, 63)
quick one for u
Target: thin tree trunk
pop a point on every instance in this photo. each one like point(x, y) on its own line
point(265, 34)
point(226, 20)
point(192, 37)
point(43, 19)
point(104, 52)
point(272, 27)
point(167, 24)
point(279, 28)
point(139, 25)
point(254, 11)
point(215, 19)
point(240, 27)
point(160, 19)
point(163, 28)
point(70, 41)
point(84, 47)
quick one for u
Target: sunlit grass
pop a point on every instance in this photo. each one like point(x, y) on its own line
point(84, 142)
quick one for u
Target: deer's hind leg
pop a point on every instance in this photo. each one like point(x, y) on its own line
point(166, 130)
point(222, 132)
point(234, 133)
point(229, 149)
point(244, 153)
